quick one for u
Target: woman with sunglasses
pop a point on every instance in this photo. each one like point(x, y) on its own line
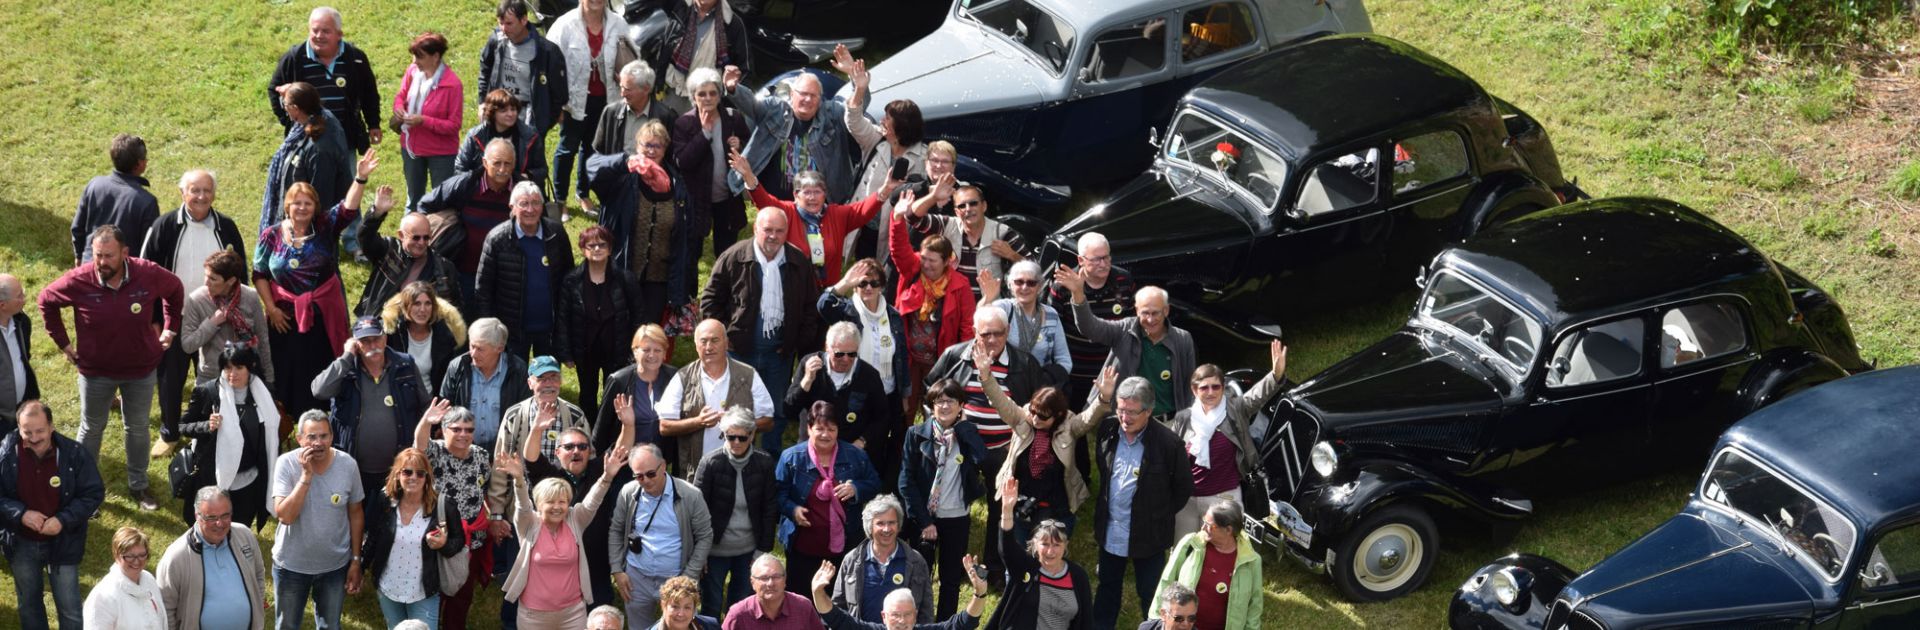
point(1045, 590)
point(737, 482)
point(1219, 442)
point(460, 472)
point(128, 597)
point(1032, 325)
point(861, 297)
point(1040, 457)
point(236, 434)
point(409, 528)
point(599, 308)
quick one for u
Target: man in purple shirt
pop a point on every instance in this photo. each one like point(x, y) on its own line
point(772, 607)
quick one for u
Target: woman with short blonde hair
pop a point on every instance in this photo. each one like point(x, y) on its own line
point(128, 597)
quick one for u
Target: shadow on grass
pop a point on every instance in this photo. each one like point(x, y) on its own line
point(36, 235)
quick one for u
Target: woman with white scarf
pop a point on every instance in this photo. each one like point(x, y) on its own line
point(861, 297)
point(1218, 440)
point(128, 597)
point(236, 430)
point(427, 113)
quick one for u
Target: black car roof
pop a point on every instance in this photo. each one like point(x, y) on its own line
point(1850, 440)
point(1593, 258)
point(1328, 91)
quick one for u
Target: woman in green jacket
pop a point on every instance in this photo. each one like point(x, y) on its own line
point(1220, 565)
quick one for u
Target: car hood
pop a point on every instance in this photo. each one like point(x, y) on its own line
point(1410, 374)
point(1150, 217)
point(957, 70)
point(1696, 567)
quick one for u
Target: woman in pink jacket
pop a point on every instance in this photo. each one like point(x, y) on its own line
point(427, 114)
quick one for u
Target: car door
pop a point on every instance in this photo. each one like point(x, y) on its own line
point(1431, 177)
point(1121, 89)
point(1703, 356)
point(1885, 584)
point(1330, 234)
point(1587, 415)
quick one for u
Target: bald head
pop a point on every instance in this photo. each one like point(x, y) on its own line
point(770, 231)
point(498, 161)
point(415, 234)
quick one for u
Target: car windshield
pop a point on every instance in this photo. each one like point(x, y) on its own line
point(1820, 534)
point(1207, 146)
point(1464, 310)
point(1047, 37)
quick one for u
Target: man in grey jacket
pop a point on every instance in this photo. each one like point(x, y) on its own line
point(661, 529)
point(1144, 345)
point(214, 576)
point(882, 565)
point(802, 133)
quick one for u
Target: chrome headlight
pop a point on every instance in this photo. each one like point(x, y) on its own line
point(1505, 588)
point(1324, 459)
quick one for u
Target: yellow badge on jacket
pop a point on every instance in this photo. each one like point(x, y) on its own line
point(1116, 309)
point(899, 579)
point(335, 499)
point(852, 417)
point(341, 82)
point(54, 481)
point(135, 307)
point(389, 400)
point(1219, 587)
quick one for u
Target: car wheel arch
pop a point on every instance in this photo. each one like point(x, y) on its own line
point(1780, 374)
point(1503, 196)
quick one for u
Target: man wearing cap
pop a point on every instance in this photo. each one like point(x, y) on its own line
point(376, 397)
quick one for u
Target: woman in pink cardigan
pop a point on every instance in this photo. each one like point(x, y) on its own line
point(427, 112)
point(549, 578)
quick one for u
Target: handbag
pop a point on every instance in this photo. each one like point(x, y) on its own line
point(453, 569)
point(181, 472)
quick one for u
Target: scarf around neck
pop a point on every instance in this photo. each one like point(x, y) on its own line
point(1200, 431)
point(232, 441)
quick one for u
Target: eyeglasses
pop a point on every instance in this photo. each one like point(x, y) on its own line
point(1026, 282)
point(768, 579)
point(845, 355)
point(576, 446)
point(649, 475)
point(739, 438)
point(967, 204)
point(983, 334)
point(216, 518)
point(944, 402)
point(134, 557)
point(410, 472)
point(1184, 618)
point(652, 145)
point(1209, 387)
point(594, 245)
point(462, 430)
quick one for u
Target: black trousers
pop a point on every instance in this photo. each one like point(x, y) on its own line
point(946, 553)
point(996, 457)
point(528, 345)
point(171, 383)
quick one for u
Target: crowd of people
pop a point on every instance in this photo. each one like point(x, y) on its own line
point(876, 358)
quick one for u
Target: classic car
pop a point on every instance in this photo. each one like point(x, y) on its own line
point(788, 34)
point(1310, 175)
point(1580, 345)
point(1030, 90)
point(1808, 515)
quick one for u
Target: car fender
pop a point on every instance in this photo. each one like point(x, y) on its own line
point(1539, 579)
point(1784, 373)
point(1503, 196)
point(1334, 506)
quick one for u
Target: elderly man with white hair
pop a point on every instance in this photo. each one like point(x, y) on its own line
point(838, 375)
point(339, 70)
point(620, 119)
point(17, 380)
point(518, 280)
point(800, 132)
point(1109, 294)
point(181, 241)
point(882, 566)
point(1144, 345)
point(899, 607)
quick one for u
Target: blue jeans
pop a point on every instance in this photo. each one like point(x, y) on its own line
point(427, 610)
point(291, 589)
point(576, 138)
point(776, 372)
point(136, 402)
point(725, 582)
point(1106, 596)
point(29, 563)
point(420, 171)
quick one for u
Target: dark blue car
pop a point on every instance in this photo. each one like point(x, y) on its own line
point(1808, 516)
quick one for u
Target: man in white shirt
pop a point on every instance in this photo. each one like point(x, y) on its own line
point(692, 405)
point(181, 241)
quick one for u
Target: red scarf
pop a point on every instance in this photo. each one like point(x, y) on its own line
point(1040, 453)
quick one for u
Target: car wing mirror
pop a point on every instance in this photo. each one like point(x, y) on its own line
point(1153, 135)
point(1420, 278)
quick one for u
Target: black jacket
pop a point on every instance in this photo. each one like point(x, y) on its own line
point(1024, 374)
point(861, 409)
point(549, 69)
point(1166, 482)
point(500, 286)
point(527, 162)
point(920, 466)
point(163, 239)
point(353, 79)
point(81, 493)
point(120, 199)
point(732, 296)
point(445, 348)
point(715, 478)
point(1019, 607)
point(571, 320)
point(203, 402)
point(385, 280)
point(457, 385)
point(646, 423)
point(381, 521)
point(454, 194)
point(694, 156)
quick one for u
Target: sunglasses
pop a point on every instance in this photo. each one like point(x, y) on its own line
point(649, 475)
point(594, 245)
point(462, 430)
point(845, 355)
point(869, 284)
point(967, 204)
point(1210, 387)
point(573, 447)
point(410, 472)
point(738, 438)
point(1026, 282)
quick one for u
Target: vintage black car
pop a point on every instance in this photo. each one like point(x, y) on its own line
point(1309, 175)
point(1577, 345)
point(788, 34)
point(1808, 516)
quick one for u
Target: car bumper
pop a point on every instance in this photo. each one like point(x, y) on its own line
point(1289, 531)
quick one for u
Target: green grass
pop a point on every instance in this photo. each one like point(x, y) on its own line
point(1636, 101)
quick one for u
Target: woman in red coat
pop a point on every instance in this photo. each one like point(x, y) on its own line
point(933, 298)
point(815, 226)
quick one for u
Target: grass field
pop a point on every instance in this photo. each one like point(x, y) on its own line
point(1813, 160)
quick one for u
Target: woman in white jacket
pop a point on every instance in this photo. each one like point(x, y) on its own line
point(591, 37)
point(128, 598)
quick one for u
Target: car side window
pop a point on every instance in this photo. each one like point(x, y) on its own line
point(1428, 159)
point(1700, 331)
point(1597, 354)
point(1344, 182)
point(1213, 29)
point(1128, 51)
point(1895, 560)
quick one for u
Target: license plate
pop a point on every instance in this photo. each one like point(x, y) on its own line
point(1292, 526)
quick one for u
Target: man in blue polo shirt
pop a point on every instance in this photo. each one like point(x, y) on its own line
point(214, 576)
